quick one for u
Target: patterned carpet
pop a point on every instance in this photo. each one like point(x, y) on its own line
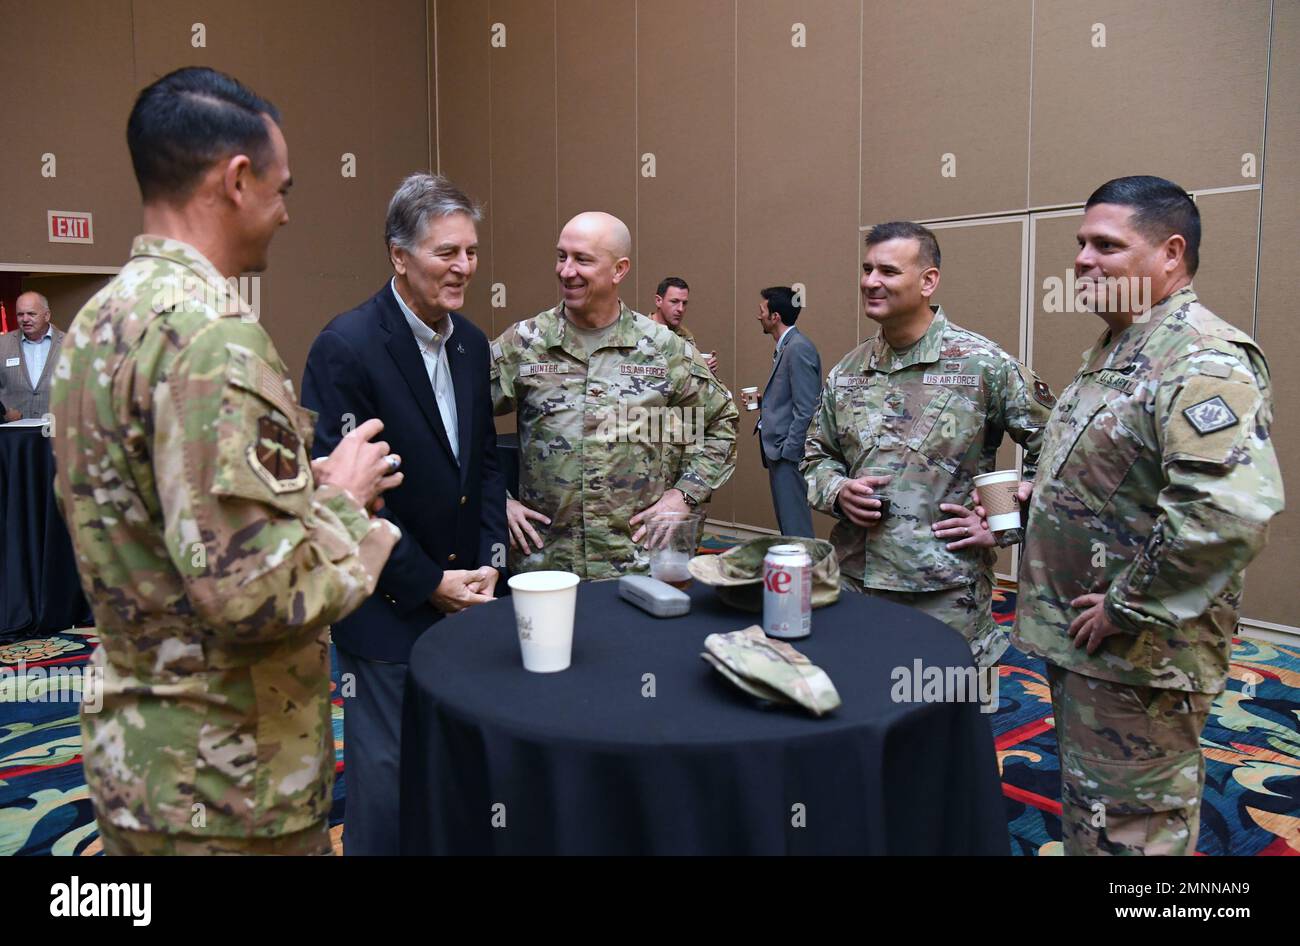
point(1251, 744)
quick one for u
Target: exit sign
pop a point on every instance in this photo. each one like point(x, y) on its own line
point(69, 226)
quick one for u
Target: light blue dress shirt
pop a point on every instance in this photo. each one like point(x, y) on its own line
point(35, 354)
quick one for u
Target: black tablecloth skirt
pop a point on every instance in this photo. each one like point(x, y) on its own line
point(499, 760)
point(40, 592)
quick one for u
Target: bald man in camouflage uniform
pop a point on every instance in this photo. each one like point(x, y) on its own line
point(1158, 482)
point(619, 418)
point(916, 425)
point(213, 557)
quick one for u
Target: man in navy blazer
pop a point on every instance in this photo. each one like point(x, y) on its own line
point(407, 357)
point(789, 400)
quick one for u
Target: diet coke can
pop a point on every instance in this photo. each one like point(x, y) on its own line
point(787, 592)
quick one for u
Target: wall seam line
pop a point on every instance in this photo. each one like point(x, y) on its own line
point(1263, 159)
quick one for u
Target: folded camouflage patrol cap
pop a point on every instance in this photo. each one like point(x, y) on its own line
point(738, 572)
point(771, 670)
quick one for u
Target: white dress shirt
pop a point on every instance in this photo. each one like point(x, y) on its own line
point(433, 348)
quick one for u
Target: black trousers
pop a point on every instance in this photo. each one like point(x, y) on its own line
point(372, 746)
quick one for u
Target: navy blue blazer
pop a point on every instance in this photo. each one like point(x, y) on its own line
point(366, 363)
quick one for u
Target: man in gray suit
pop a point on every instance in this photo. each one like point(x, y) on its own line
point(791, 397)
point(29, 355)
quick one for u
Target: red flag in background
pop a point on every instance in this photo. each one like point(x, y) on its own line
point(4, 319)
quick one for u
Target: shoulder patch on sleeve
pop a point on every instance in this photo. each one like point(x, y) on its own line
point(273, 456)
point(1037, 386)
point(248, 371)
point(1206, 421)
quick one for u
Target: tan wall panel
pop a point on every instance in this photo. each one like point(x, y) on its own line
point(1271, 590)
point(597, 95)
point(1059, 337)
point(686, 221)
point(462, 87)
point(944, 77)
point(979, 289)
point(67, 89)
point(523, 158)
point(331, 256)
point(66, 293)
point(1177, 91)
point(1225, 281)
point(794, 169)
point(233, 34)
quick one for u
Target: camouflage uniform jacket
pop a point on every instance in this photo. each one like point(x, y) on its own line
point(685, 334)
point(1158, 483)
point(933, 417)
point(212, 563)
point(596, 446)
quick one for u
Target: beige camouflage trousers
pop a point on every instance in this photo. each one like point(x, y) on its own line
point(1131, 765)
point(121, 842)
point(967, 609)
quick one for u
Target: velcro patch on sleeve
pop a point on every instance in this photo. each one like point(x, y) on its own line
point(1208, 418)
point(273, 456)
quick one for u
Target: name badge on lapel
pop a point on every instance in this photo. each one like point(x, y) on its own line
point(11, 362)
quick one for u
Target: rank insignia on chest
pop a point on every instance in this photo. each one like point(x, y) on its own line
point(644, 371)
point(1117, 381)
point(544, 367)
point(965, 380)
point(274, 455)
point(1210, 415)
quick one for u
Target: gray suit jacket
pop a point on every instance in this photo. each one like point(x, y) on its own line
point(790, 399)
point(16, 391)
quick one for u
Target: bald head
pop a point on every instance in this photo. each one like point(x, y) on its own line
point(33, 314)
point(604, 230)
point(592, 258)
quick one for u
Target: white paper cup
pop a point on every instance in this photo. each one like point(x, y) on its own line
point(998, 497)
point(750, 404)
point(544, 605)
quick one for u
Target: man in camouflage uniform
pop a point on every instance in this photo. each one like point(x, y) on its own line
point(213, 556)
point(619, 419)
point(913, 414)
point(671, 299)
point(1158, 483)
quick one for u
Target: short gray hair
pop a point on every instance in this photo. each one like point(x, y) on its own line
point(419, 198)
point(45, 303)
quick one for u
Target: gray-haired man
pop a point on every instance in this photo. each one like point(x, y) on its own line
point(409, 358)
point(29, 353)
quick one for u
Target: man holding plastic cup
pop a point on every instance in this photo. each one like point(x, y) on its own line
point(906, 421)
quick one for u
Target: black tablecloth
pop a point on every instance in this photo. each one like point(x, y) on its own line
point(584, 763)
point(39, 589)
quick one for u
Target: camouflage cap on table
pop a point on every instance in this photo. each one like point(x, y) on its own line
point(770, 669)
point(738, 572)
